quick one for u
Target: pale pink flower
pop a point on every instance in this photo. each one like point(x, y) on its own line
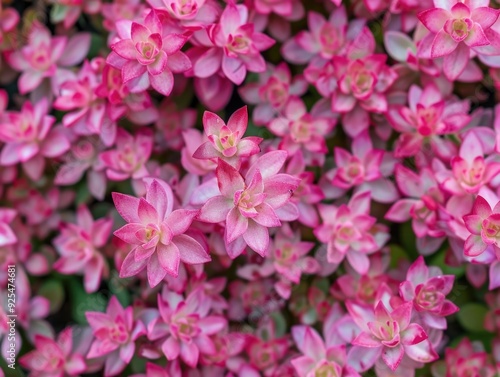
point(366, 169)
point(226, 141)
point(470, 170)
point(391, 334)
point(44, 56)
point(347, 231)
point(456, 30)
point(146, 56)
point(233, 45)
point(30, 138)
point(9, 18)
point(130, 156)
point(115, 333)
point(427, 117)
point(484, 225)
point(250, 205)
point(193, 139)
point(7, 236)
point(54, 357)
point(157, 234)
point(187, 325)
point(427, 288)
point(189, 13)
point(272, 92)
point(301, 130)
point(120, 10)
point(172, 122)
point(79, 246)
point(214, 92)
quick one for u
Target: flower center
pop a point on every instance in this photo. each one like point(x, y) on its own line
point(460, 29)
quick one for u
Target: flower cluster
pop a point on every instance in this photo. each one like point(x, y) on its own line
point(245, 188)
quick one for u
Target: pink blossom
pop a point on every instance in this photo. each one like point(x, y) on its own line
point(172, 122)
point(226, 141)
point(44, 56)
point(233, 45)
point(129, 158)
point(9, 18)
point(79, 244)
point(272, 92)
point(7, 236)
point(366, 169)
point(115, 333)
point(188, 326)
point(189, 12)
point(426, 119)
point(54, 357)
point(301, 130)
point(250, 205)
point(30, 138)
point(484, 225)
point(157, 234)
point(146, 56)
point(457, 29)
point(347, 231)
point(391, 333)
point(470, 170)
point(427, 289)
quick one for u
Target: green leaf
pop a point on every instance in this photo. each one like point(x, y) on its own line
point(397, 254)
point(439, 261)
point(53, 290)
point(58, 13)
point(82, 302)
point(471, 317)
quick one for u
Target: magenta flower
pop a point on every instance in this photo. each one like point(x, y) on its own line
point(226, 141)
point(235, 46)
point(484, 225)
point(347, 231)
point(188, 326)
point(79, 246)
point(157, 234)
point(428, 289)
point(129, 158)
point(456, 30)
point(189, 12)
point(391, 334)
point(249, 205)
point(54, 357)
point(115, 333)
point(44, 56)
point(427, 117)
point(30, 138)
point(147, 57)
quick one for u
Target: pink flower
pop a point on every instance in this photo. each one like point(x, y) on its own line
point(188, 326)
point(484, 225)
point(391, 333)
point(428, 289)
point(235, 46)
point(300, 129)
point(44, 55)
point(227, 142)
point(7, 236)
point(347, 231)
point(249, 205)
point(54, 357)
point(422, 203)
point(470, 170)
point(147, 57)
point(189, 12)
point(157, 234)
point(365, 169)
point(362, 84)
point(79, 244)
point(129, 158)
point(426, 119)
point(272, 92)
point(9, 18)
point(456, 28)
point(115, 333)
point(30, 138)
